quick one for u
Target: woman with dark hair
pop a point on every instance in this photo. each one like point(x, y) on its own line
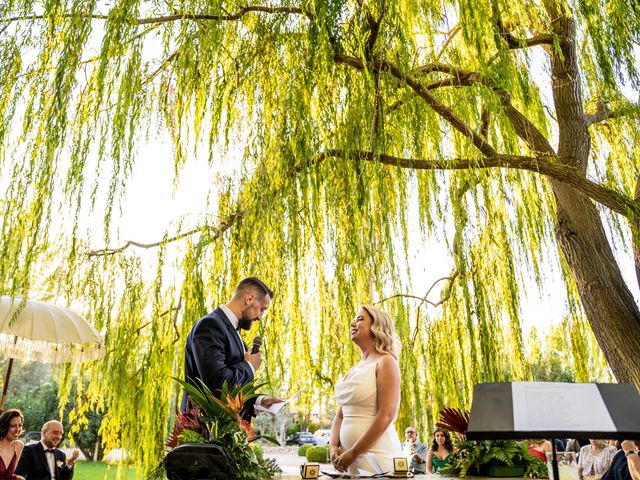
point(10, 447)
point(440, 451)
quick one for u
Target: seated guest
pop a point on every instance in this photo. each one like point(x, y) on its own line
point(414, 450)
point(633, 459)
point(575, 444)
point(440, 452)
point(10, 447)
point(539, 447)
point(42, 460)
point(595, 459)
point(625, 464)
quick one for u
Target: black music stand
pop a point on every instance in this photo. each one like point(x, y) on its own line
point(553, 410)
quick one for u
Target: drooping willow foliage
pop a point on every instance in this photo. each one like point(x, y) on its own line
point(361, 129)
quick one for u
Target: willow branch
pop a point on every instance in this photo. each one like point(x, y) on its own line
point(594, 118)
point(441, 67)
point(377, 108)
point(163, 64)
point(447, 113)
point(525, 129)
point(605, 112)
point(451, 35)
point(461, 77)
point(446, 296)
point(176, 309)
point(217, 231)
point(613, 200)
point(424, 298)
point(485, 117)
point(395, 105)
point(566, 174)
point(515, 43)
point(172, 18)
point(374, 26)
point(399, 295)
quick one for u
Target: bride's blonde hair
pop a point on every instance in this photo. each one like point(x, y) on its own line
point(386, 340)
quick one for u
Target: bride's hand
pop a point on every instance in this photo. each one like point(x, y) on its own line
point(345, 460)
point(334, 452)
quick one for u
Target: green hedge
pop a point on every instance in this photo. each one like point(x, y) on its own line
point(302, 449)
point(318, 454)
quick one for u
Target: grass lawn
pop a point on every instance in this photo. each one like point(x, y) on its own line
point(100, 471)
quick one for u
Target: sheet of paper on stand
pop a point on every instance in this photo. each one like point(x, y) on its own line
point(551, 406)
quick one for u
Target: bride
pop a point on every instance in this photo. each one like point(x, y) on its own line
point(363, 432)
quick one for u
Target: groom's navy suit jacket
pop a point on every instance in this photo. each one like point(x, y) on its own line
point(215, 353)
point(33, 464)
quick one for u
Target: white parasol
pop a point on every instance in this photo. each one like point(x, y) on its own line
point(32, 330)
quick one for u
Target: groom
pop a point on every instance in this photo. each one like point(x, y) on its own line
point(42, 460)
point(215, 352)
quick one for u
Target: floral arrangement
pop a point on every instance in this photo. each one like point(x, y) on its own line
point(219, 421)
point(472, 457)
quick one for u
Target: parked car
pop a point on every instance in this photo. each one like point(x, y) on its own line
point(300, 438)
point(322, 436)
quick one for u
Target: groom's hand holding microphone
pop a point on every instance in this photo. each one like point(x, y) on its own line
point(254, 356)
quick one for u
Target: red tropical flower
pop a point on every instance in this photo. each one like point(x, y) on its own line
point(246, 426)
point(188, 420)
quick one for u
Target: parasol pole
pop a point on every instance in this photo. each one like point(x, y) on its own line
point(6, 379)
point(6, 384)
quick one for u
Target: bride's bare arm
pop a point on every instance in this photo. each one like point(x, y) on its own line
point(388, 388)
point(334, 441)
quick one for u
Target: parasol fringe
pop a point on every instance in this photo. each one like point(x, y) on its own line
point(25, 349)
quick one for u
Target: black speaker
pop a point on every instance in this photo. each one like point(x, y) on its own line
point(199, 461)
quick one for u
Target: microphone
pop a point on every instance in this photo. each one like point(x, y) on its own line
point(257, 343)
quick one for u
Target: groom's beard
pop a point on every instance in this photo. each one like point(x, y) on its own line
point(245, 322)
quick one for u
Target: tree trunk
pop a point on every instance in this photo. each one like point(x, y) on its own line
point(606, 299)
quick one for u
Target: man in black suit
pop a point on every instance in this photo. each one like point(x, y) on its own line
point(215, 351)
point(42, 460)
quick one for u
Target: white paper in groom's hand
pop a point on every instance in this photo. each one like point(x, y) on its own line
point(275, 408)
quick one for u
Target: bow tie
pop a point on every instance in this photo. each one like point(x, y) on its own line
point(50, 450)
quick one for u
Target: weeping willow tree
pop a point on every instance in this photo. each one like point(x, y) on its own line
point(360, 128)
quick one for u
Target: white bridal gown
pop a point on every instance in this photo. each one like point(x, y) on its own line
point(357, 395)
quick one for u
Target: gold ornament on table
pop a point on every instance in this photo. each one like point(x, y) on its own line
point(400, 465)
point(310, 470)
